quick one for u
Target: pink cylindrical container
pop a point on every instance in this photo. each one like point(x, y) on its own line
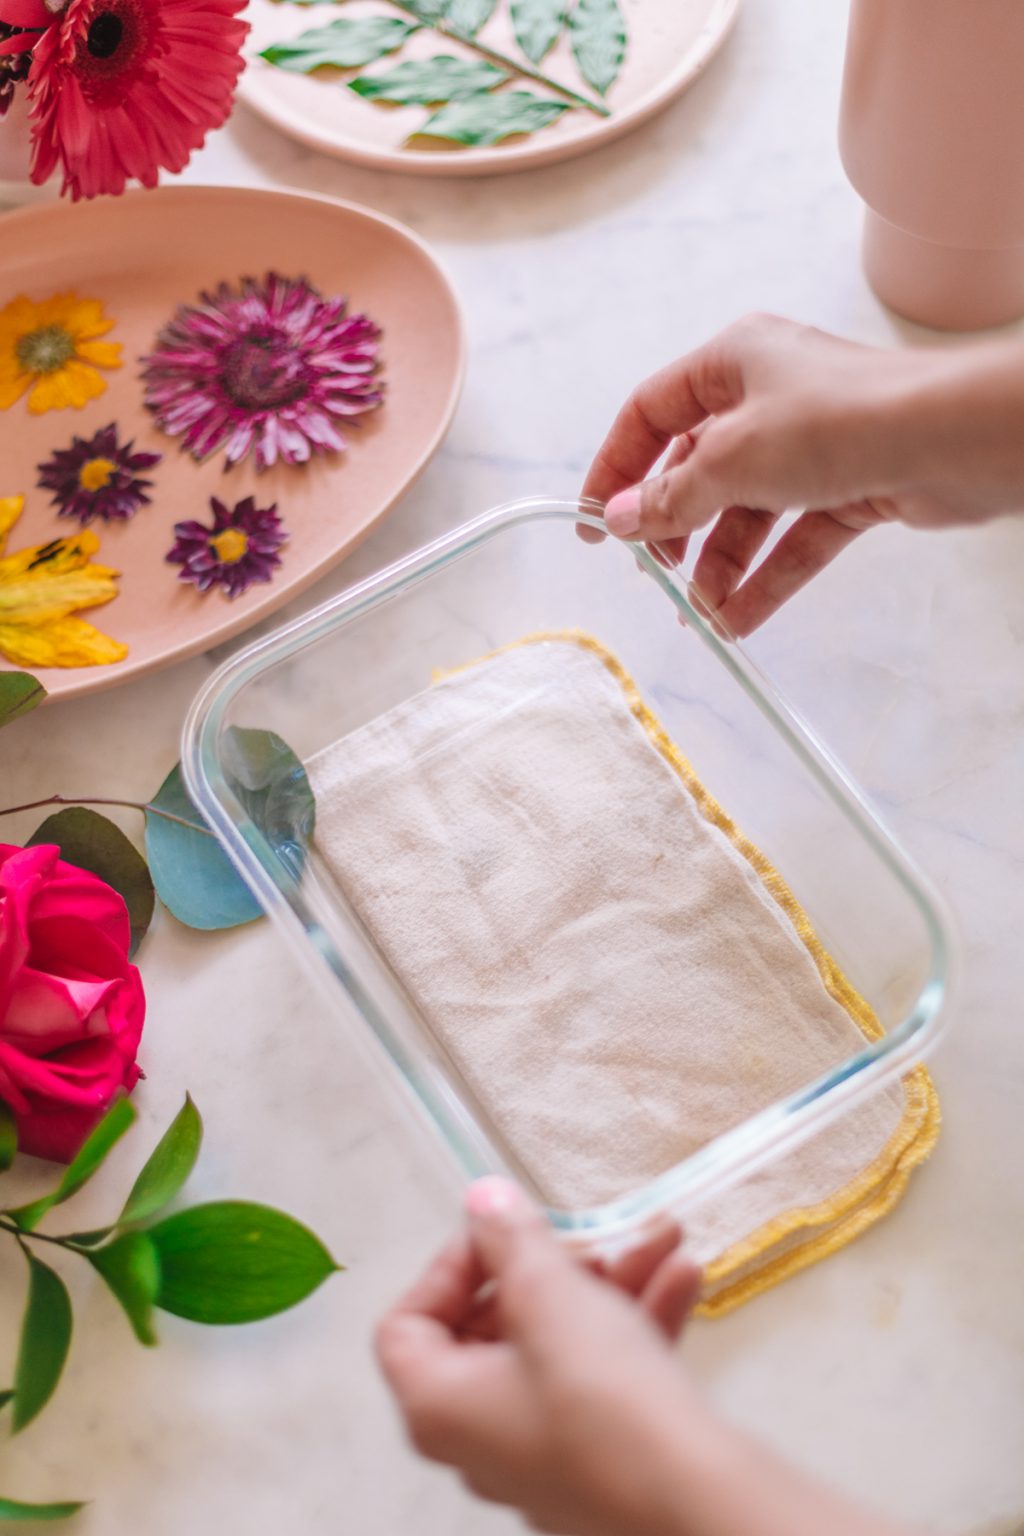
point(932, 137)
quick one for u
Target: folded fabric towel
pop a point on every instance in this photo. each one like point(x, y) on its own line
point(618, 975)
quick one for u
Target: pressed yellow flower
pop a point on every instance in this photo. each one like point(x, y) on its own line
point(53, 349)
point(40, 589)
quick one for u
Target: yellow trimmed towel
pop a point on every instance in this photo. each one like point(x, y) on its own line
point(615, 971)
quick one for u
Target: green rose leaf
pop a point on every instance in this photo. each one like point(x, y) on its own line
point(537, 25)
point(486, 119)
point(6, 1396)
point(469, 16)
point(192, 874)
point(19, 693)
point(89, 1157)
point(168, 1167)
point(93, 842)
point(131, 1269)
point(8, 1136)
point(236, 1262)
point(45, 1340)
point(598, 34)
point(344, 44)
point(14, 1509)
point(427, 81)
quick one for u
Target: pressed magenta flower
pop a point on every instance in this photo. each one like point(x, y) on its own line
point(97, 477)
point(240, 548)
point(270, 367)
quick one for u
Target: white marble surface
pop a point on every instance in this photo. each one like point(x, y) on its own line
point(896, 1369)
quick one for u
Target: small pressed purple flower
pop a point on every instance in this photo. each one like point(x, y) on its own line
point(240, 548)
point(269, 367)
point(97, 477)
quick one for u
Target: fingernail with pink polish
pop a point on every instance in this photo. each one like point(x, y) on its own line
point(493, 1197)
point(622, 514)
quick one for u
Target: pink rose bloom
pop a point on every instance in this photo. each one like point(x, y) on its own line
point(71, 1004)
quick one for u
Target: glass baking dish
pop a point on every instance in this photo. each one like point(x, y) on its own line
point(519, 571)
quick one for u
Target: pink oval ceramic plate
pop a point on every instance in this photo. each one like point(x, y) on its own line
point(669, 44)
point(142, 255)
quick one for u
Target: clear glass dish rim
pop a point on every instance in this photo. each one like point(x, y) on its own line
point(736, 1153)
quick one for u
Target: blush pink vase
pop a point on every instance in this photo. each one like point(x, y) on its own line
point(932, 137)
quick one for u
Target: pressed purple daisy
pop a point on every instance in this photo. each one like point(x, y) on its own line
point(97, 477)
point(269, 367)
point(240, 548)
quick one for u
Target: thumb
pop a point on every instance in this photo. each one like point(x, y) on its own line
point(671, 505)
point(506, 1229)
point(537, 1282)
point(516, 1248)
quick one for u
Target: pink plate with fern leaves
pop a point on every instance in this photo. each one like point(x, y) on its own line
point(472, 87)
point(311, 441)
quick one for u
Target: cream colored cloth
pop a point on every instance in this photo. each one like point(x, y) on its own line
point(606, 969)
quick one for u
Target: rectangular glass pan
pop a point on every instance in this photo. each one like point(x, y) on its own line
point(520, 571)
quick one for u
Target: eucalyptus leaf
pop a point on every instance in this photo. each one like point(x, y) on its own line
point(131, 1269)
point(8, 1136)
point(538, 25)
point(274, 790)
point(168, 1167)
point(236, 1262)
point(193, 876)
point(93, 842)
point(14, 1509)
point(598, 33)
point(427, 81)
point(469, 16)
point(20, 692)
point(486, 118)
point(89, 1157)
point(44, 1344)
point(344, 44)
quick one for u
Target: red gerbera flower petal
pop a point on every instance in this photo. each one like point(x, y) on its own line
point(121, 88)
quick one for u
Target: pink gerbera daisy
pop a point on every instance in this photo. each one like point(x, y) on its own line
point(270, 367)
point(121, 88)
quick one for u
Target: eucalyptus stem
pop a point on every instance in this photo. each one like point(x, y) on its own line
point(505, 60)
point(124, 805)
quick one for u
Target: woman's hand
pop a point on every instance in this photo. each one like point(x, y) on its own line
point(557, 1390)
point(770, 416)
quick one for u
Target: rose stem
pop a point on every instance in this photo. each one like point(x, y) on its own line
point(125, 805)
point(38, 1237)
point(447, 30)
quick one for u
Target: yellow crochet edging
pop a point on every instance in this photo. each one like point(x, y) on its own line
point(874, 1192)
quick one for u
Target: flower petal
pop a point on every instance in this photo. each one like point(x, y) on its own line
point(47, 1012)
point(11, 390)
point(11, 508)
point(66, 642)
point(93, 902)
point(105, 354)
